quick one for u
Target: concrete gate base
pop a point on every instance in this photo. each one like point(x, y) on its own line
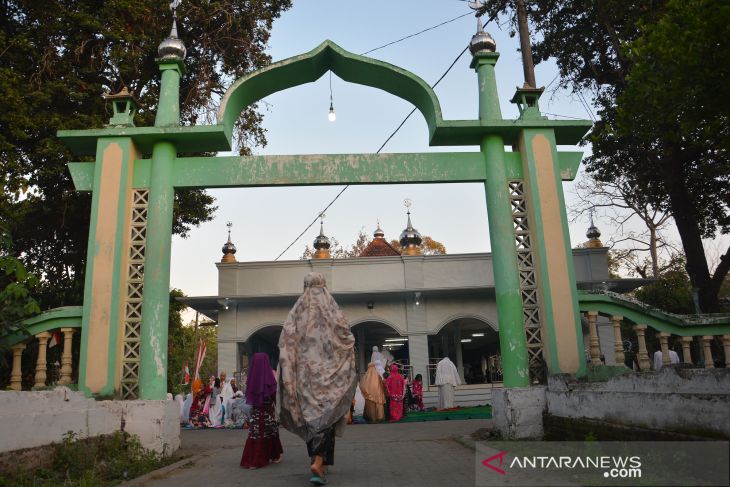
point(39, 418)
point(518, 412)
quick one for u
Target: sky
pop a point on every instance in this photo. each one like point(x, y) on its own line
point(266, 220)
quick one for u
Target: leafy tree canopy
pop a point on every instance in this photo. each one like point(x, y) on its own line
point(56, 60)
point(182, 347)
point(16, 284)
point(654, 69)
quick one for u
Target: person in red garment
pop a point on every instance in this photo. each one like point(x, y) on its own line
point(418, 392)
point(395, 384)
point(263, 444)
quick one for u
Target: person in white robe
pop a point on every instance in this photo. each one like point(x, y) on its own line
point(379, 360)
point(185, 412)
point(226, 397)
point(447, 377)
point(215, 409)
point(359, 403)
point(658, 359)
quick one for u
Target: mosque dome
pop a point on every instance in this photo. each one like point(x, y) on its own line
point(229, 250)
point(322, 244)
point(172, 48)
point(593, 235)
point(379, 246)
point(379, 233)
point(482, 42)
point(410, 239)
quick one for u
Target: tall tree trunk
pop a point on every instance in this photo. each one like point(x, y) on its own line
point(673, 176)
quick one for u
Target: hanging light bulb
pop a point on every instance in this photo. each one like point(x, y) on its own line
point(331, 116)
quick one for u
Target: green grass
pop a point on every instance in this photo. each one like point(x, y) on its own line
point(96, 462)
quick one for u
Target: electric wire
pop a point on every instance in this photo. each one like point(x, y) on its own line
point(377, 152)
point(417, 33)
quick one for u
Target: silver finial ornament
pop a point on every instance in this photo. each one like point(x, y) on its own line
point(172, 48)
point(481, 41)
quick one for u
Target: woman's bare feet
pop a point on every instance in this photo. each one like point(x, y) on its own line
point(278, 459)
point(317, 467)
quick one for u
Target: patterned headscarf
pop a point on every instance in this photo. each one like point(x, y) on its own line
point(317, 376)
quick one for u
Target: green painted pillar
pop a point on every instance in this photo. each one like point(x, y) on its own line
point(156, 303)
point(512, 339)
point(552, 253)
point(105, 281)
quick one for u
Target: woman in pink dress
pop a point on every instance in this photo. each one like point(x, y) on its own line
point(395, 385)
point(418, 392)
point(263, 444)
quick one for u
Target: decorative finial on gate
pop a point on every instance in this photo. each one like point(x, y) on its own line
point(172, 48)
point(481, 41)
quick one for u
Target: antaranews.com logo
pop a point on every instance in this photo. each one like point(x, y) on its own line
point(604, 463)
point(615, 467)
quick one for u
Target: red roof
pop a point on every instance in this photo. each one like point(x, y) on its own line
point(379, 247)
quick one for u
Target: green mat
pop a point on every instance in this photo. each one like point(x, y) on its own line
point(480, 412)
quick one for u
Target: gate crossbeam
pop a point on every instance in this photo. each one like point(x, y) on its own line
point(295, 170)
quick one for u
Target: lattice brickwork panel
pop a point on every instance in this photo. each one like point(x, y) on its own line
point(528, 280)
point(135, 292)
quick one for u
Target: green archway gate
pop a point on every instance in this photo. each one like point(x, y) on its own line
point(125, 312)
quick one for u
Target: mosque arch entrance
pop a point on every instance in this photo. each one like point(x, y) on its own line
point(473, 345)
point(264, 340)
point(369, 334)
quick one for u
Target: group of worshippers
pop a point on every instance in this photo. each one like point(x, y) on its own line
point(390, 396)
point(388, 392)
point(312, 392)
point(217, 404)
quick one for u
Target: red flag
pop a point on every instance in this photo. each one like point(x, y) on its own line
point(55, 339)
point(199, 359)
point(187, 374)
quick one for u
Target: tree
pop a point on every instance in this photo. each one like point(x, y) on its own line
point(671, 292)
point(16, 284)
point(619, 205)
point(56, 59)
point(182, 347)
point(653, 69)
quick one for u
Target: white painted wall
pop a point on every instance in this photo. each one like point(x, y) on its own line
point(29, 419)
point(673, 399)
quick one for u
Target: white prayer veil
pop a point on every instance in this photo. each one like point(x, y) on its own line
point(446, 373)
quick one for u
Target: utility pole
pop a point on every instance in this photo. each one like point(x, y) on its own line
point(527, 67)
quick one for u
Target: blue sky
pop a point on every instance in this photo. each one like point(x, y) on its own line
point(266, 220)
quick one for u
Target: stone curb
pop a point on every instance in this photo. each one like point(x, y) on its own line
point(140, 481)
point(466, 441)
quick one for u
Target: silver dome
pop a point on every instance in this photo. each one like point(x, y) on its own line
point(410, 235)
point(321, 242)
point(172, 48)
point(482, 42)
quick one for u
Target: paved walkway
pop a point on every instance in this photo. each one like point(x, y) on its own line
point(409, 454)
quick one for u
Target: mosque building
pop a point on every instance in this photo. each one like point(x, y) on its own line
point(420, 308)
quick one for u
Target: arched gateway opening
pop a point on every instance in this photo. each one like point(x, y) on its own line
point(133, 180)
point(473, 345)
